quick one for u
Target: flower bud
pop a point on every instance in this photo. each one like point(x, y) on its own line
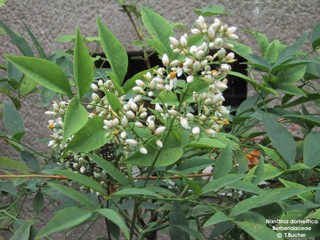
point(124, 121)
point(196, 31)
point(138, 124)
point(196, 131)
point(131, 142)
point(130, 114)
point(218, 43)
point(174, 41)
point(159, 130)
point(94, 87)
point(184, 41)
point(158, 108)
point(165, 60)
point(190, 79)
point(139, 83)
point(143, 150)
point(230, 56)
point(159, 143)
point(184, 123)
point(82, 169)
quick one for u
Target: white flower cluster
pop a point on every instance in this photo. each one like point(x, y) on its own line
point(190, 73)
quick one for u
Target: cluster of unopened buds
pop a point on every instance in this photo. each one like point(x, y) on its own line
point(200, 112)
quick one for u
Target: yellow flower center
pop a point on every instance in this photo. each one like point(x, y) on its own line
point(51, 125)
point(172, 75)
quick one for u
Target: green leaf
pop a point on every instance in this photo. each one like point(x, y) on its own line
point(115, 218)
point(315, 36)
point(206, 143)
point(114, 102)
point(218, 217)
point(291, 89)
point(31, 161)
point(309, 119)
point(271, 53)
point(90, 137)
point(245, 186)
point(275, 156)
point(280, 137)
point(171, 152)
point(35, 42)
point(135, 192)
point(12, 119)
point(221, 182)
point(157, 45)
point(262, 39)
point(291, 75)
point(66, 38)
point(258, 62)
point(165, 97)
point(241, 49)
point(308, 196)
point(258, 172)
point(159, 28)
point(114, 50)
point(224, 162)
point(211, 10)
point(110, 169)
point(266, 198)
point(257, 231)
point(177, 217)
point(254, 84)
point(43, 72)
point(7, 163)
point(27, 85)
point(23, 231)
point(314, 215)
point(80, 178)
point(290, 51)
point(83, 67)
point(75, 118)
point(2, 3)
point(313, 71)
point(72, 193)
point(65, 218)
point(311, 150)
point(17, 40)
point(38, 202)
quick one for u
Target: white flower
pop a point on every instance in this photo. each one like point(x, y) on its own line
point(165, 60)
point(195, 31)
point(94, 87)
point(51, 113)
point(230, 56)
point(196, 131)
point(137, 98)
point(210, 132)
point(190, 79)
point(174, 41)
point(51, 143)
point(184, 41)
point(184, 123)
point(159, 130)
point(124, 121)
point(158, 108)
point(95, 97)
point(132, 142)
point(143, 150)
point(159, 143)
point(82, 169)
point(148, 76)
point(130, 114)
point(138, 124)
point(218, 43)
point(123, 134)
point(225, 67)
point(139, 83)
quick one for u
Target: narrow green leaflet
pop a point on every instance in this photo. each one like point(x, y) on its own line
point(224, 162)
point(115, 218)
point(280, 137)
point(38, 203)
point(308, 196)
point(80, 178)
point(7, 163)
point(114, 102)
point(165, 97)
point(211, 10)
point(83, 67)
point(274, 155)
point(217, 184)
point(258, 62)
point(90, 137)
point(271, 53)
point(65, 218)
point(35, 42)
point(311, 150)
point(20, 42)
point(12, 119)
point(110, 169)
point(23, 232)
point(257, 231)
point(291, 75)
point(262, 40)
point(267, 198)
point(177, 217)
point(31, 161)
point(135, 192)
point(206, 143)
point(315, 36)
point(27, 85)
point(218, 217)
point(115, 52)
point(241, 49)
point(44, 72)
point(75, 118)
point(158, 27)
point(171, 152)
point(254, 84)
point(72, 193)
